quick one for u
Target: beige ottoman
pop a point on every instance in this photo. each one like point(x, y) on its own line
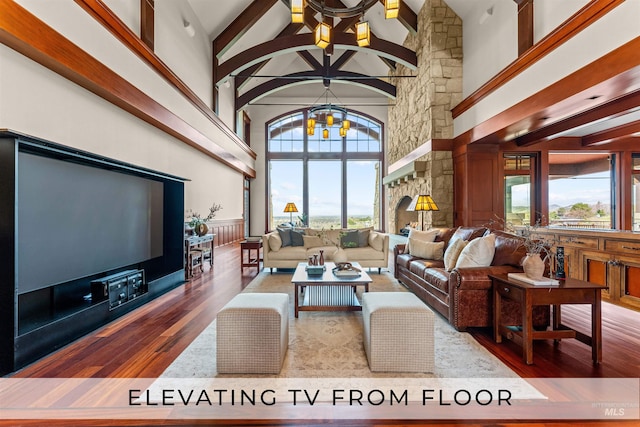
point(253, 334)
point(398, 332)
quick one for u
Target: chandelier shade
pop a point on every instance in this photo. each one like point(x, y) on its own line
point(391, 9)
point(363, 34)
point(323, 35)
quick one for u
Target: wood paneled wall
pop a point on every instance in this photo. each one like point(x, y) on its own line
point(227, 231)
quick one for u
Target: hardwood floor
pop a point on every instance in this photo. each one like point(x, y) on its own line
point(143, 343)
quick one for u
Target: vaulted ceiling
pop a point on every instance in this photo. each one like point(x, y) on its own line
point(257, 44)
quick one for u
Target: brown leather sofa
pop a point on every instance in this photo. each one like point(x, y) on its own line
point(464, 296)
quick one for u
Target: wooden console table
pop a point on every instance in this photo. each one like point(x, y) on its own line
point(570, 291)
point(197, 243)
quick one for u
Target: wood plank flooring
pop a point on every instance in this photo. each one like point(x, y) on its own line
point(143, 344)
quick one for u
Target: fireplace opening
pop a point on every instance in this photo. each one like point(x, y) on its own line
point(404, 218)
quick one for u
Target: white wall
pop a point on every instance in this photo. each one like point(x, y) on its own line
point(549, 14)
point(41, 103)
point(488, 47)
point(611, 31)
point(262, 114)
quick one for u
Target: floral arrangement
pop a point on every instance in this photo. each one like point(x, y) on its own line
point(197, 220)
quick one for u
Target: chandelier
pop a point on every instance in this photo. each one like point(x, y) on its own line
point(322, 31)
point(324, 116)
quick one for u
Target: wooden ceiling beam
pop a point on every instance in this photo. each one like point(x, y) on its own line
point(344, 58)
point(243, 22)
point(283, 45)
point(289, 30)
point(614, 108)
point(613, 134)
point(306, 77)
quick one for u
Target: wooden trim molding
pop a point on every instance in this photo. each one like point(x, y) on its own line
point(28, 35)
point(111, 22)
point(147, 22)
point(582, 19)
point(226, 230)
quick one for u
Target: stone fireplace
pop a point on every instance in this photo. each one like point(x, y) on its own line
point(420, 125)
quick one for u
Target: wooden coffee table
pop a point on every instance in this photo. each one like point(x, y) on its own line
point(328, 292)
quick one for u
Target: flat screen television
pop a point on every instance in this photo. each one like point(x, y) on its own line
point(75, 220)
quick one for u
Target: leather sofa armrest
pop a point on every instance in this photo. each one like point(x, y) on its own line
point(398, 249)
point(478, 277)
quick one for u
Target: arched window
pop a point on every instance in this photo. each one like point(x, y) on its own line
point(334, 180)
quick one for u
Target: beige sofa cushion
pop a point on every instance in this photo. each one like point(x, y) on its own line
point(452, 253)
point(290, 253)
point(275, 242)
point(312, 241)
point(376, 240)
point(362, 254)
point(478, 252)
point(427, 250)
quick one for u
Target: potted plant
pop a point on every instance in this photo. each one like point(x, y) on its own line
point(198, 223)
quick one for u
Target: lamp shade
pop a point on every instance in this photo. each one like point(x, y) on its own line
point(346, 124)
point(291, 207)
point(329, 119)
point(325, 133)
point(343, 132)
point(425, 203)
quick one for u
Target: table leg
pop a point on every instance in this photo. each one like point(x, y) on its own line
point(557, 320)
point(296, 300)
point(497, 310)
point(527, 328)
point(596, 327)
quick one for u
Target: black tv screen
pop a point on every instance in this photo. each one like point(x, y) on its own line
point(75, 221)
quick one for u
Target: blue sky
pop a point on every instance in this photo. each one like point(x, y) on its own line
point(589, 189)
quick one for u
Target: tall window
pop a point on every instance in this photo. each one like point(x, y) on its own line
point(334, 181)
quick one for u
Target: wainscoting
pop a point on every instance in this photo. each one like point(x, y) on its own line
point(227, 231)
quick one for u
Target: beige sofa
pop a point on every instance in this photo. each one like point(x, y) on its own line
point(373, 252)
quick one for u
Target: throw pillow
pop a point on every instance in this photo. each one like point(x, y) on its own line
point(275, 242)
point(427, 250)
point(453, 252)
point(376, 241)
point(312, 241)
point(296, 238)
point(349, 239)
point(363, 238)
point(425, 236)
point(285, 236)
point(478, 252)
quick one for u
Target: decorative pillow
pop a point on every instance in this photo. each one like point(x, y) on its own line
point(376, 241)
point(478, 252)
point(453, 252)
point(296, 238)
point(275, 242)
point(469, 233)
point(349, 239)
point(427, 250)
point(285, 236)
point(425, 236)
point(312, 241)
point(363, 238)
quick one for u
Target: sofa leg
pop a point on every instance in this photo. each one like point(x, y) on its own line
point(379, 270)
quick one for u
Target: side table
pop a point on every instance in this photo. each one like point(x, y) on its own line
point(250, 245)
point(570, 291)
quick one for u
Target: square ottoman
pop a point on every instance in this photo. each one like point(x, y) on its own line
point(252, 334)
point(398, 332)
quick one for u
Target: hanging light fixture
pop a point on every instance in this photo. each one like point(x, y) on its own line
point(323, 35)
point(363, 34)
point(346, 124)
point(297, 11)
point(329, 117)
point(391, 9)
point(311, 122)
point(325, 133)
point(311, 130)
point(343, 132)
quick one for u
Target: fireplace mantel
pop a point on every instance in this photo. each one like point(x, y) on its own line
point(412, 170)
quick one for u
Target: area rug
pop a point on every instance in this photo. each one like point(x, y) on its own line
point(330, 344)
